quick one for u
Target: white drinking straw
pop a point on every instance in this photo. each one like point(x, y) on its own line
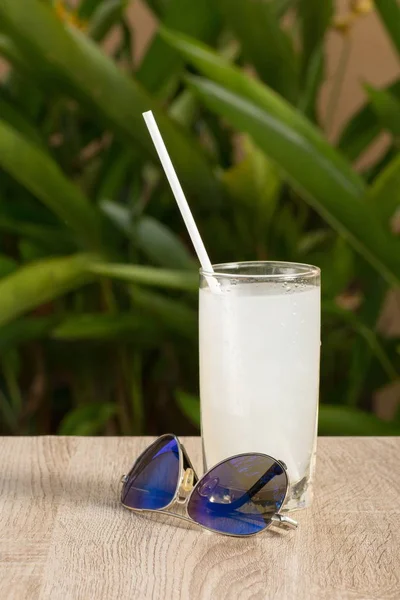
point(180, 198)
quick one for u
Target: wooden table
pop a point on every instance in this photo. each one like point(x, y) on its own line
point(64, 536)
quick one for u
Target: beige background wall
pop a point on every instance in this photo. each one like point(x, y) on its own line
point(372, 59)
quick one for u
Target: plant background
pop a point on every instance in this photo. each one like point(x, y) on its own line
point(98, 281)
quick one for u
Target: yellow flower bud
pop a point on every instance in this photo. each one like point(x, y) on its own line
point(68, 16)
point(342, 24)
point(362, 7)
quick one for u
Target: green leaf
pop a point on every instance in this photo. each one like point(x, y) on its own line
point(161, 62)
point(311, 86)
point(36, 170)
point(94, 326)
point(8, 414)
point(264, 43)
point(254, 185)
point(18, 121)
point(368, 334)
point(282, 6)
point(159, 7)
point(11, 53)
point(105, 16)
point(313, 239)
point(338, 262)
point(362, 361)
point(117, 166)
point(387, 109)
point(29, 94)
point(389, 12)
point(173, 315)
point(30, 251)
point(181, 280)
point(51, 238)
point(234, 80)
point(24, 330)
point(315, 17)
point(372, 171)
point(184, 108)
point(327, 188)
point(363, 128)
point(87, 8)
point(323, 176)
point(11, 367)
point(154, 239)
point(384, 193)
point(189, 405)
point(254, 182)
point(341, 420)
point(41, 282)
point(118, 214)
point(161, 245)
point(72, 63)
point(7, 265)
point(87, 420)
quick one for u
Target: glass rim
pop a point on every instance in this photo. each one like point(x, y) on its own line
point(229, 270)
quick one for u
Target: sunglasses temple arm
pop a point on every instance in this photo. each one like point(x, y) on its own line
point(283, 521)
point(259, 484)
point(187, 464)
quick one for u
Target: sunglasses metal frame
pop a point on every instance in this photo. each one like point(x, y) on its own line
point(277, 519)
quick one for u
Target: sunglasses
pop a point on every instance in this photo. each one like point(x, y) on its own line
point(240, 496)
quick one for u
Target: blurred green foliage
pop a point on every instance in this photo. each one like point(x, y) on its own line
point(98, 282)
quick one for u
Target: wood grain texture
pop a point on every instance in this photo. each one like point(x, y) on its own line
point(63, 535)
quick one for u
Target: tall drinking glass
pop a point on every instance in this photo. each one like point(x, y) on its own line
point(259, 366)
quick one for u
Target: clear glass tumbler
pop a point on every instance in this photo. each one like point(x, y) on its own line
point(259, 366)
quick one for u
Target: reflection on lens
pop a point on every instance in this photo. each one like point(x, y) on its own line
point(250, 489)
point(153, 480)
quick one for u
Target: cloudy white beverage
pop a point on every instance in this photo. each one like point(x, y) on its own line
point(259, 366)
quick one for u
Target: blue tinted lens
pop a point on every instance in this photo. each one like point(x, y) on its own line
point(153, 480)
point(240, 495)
